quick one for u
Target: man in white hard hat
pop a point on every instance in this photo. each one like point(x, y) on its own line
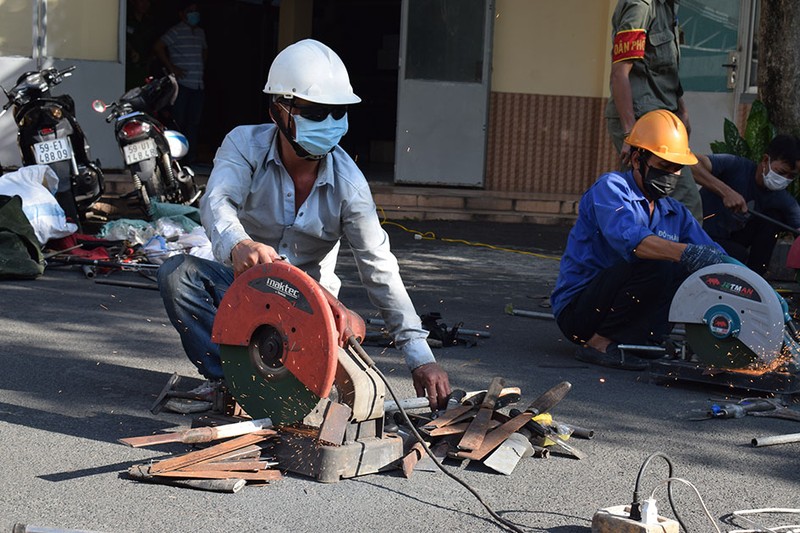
point(286, 190)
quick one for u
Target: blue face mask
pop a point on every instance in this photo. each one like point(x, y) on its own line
point(319, 138)
point(193, 18)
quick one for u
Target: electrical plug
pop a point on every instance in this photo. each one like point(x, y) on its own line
point(649, 512)
point(636, 510)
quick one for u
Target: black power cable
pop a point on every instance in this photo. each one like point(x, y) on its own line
point(636, 505)
point(371, 364)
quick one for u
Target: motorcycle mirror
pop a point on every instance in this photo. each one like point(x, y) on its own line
point(99, 106)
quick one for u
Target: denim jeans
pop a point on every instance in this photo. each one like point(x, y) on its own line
point(192, 289)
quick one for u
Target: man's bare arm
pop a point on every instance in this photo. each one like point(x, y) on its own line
point(730, 198)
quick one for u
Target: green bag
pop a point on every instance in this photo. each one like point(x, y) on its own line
point(20, 252)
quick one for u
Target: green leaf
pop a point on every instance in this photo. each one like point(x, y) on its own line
point(758, 131)
point(719, 147)
point(736, 145)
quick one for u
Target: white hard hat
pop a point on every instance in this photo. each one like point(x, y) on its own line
point(310, 70)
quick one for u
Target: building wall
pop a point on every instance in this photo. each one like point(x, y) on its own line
point(549, 89)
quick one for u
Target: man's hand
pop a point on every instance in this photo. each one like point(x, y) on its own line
point(697, 256)
point(430, 380)
point(683, 114)
point(625, 155)
point(249, 253)
point(734, 201)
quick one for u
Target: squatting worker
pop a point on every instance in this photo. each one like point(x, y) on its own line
point(630, 249)
point(644, 77)
point(734, 185)
point(287, 189)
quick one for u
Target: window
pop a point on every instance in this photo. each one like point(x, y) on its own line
point(82, 29)
point(16, 28)
point(62, 29)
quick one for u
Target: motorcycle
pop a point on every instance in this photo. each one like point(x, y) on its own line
point(49, 134)
point(151, 151)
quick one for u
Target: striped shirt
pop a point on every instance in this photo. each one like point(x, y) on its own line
point(185, 45)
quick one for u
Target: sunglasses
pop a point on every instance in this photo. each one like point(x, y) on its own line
point(317, 112)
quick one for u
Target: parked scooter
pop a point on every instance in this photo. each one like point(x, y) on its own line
point(49, 134)
point(151, 151)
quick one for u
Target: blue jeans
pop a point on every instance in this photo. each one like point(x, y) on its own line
point(192, 289)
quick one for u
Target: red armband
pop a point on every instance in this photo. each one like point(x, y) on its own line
point(628, 44)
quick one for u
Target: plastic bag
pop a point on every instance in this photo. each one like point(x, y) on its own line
point(36, 185)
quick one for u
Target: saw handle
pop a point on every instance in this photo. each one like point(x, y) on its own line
point(353, 342)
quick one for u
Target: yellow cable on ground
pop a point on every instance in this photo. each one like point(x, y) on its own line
point(431, 236)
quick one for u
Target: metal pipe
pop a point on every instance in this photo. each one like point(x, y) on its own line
point(72, 260)
point(131, 284)
point(776, 222)
point(775, 439)
point(465, 331)
point(531, 314)
point(581, 433)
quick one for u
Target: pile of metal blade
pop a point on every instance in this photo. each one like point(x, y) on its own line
point(475, 428)
point(223, 467)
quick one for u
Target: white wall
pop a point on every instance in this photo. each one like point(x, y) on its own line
point(90, 80)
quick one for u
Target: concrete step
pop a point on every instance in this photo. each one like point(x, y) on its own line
point(401, 202)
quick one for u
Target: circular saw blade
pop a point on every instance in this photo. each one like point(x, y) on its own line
point(278, 342)
point(279, 396)
point(721, 353)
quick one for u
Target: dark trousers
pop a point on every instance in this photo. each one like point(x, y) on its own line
point(187, 112)
point(627, 303)
point(753, 244)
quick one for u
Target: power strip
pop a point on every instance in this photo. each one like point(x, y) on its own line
point(615, 520)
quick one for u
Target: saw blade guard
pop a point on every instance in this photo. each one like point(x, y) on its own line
point(287, 314)
point(730, 305)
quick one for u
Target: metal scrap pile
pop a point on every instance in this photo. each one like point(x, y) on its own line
point(224, 467)
point(473, 428)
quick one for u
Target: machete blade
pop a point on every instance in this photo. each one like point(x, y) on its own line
point(550, 398)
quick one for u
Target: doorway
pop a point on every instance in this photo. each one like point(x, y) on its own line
point(366, 35)
point(717, 63)
point(242, 38)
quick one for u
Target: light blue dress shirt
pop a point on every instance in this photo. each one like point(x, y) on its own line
point(250, 195)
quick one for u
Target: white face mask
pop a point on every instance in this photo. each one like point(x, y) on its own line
point(774, 181)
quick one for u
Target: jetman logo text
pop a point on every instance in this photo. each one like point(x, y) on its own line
point(731, 285)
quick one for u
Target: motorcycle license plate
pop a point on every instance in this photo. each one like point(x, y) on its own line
point(140, 151)
point(51, 151)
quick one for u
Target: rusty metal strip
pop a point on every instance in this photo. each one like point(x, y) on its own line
point(210, 452)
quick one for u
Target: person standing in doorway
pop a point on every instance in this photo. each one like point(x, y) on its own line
point(140, 37)
point(183, 50)
point(644, 77)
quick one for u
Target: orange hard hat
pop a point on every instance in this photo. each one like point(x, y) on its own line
point(662, 133)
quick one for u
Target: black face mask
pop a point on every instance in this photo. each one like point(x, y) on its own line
point(658, 183)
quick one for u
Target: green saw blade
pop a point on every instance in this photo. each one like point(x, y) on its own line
point(720, 353)
point(279, 395)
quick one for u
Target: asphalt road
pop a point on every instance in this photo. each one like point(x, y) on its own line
point(82, 363)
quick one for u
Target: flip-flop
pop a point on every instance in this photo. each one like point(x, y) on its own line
point(612, 358)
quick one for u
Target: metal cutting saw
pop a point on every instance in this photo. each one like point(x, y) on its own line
point(288, 350)
point(734, 319)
